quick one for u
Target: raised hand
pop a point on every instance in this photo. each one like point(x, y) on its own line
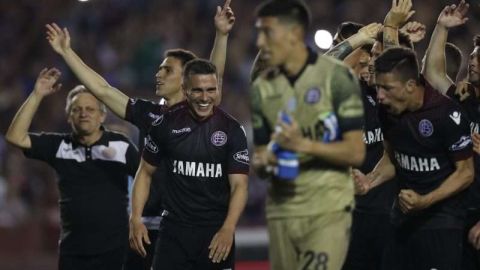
point(224, 18)
point(452, 15)
point(370, 31)
point(46, 83)
point(58, 38)
point(414, 30)
point(399, 14)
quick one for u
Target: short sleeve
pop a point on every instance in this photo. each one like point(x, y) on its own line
point(142, 113)
point(347, 101)
point(456, 132)
point(132, 158)
point(44, 146)
point(152, 152)
point(238, 158)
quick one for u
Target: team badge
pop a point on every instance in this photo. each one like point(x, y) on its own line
point(425, 128)
point(218, 138)
point(312, 96)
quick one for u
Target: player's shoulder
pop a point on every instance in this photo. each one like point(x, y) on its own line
point(229, 119)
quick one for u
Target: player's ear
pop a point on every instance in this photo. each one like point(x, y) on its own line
point(410, 85)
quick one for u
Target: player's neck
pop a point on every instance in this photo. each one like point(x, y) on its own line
point(90, 138)
point(417, 100)
point(175, 98)
point(297, 59)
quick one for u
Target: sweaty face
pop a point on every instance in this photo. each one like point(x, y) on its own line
point(273, 40)
point(361, 68)
point(85, 115)
point(202, 93)
point(391, 93)
point(169, 77)
point(473, 67)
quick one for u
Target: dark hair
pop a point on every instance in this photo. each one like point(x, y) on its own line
point(78, 90)
point(183, 55)
point(403, 39)
point(286, 10)
point(476, 40)
point(402, 61)
point(454, 58)
point(198, 67)
point(346, 30)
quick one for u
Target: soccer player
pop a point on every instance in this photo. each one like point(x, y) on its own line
point(308, 218)
point(140, 112)
point(206, 161)
point(436, 72)
point(93, 165)
point(428, 147)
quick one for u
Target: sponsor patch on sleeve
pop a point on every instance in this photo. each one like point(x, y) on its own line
point(242, 157)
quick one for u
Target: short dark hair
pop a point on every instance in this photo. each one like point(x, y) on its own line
point(198, 67)
point(183, 55)
point(78, 90)
point(454, 58)
point(476, 40)
point(286, 10)
point(346, 30)
point(403, 39)
point(402, 61)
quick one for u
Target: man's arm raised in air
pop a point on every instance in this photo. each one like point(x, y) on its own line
point(398, 15)
point(435, 66)
point(59, 39)
point(45, 85)
point(224, 20)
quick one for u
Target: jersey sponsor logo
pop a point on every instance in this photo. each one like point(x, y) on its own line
point(197, 169)
point(417, 164)
point(150, 145)
point(219, 138)
point(373, 136)
point(157, 119)
point(461, 144)
point(242, 157)
point(312, 95)
point(66, 151)
point(425, 127)
point(371, 100)
point(474, 128)
point(456, 117)
point(182, 130)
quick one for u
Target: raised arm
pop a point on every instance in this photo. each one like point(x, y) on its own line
point(222, 241)
point(141, 189)
point(435, 66)
point(59, 39)
point(396, 17)
point(45, 85)
point(366, 35)
point(224, 20)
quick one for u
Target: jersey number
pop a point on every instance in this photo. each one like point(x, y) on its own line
point(315, 261)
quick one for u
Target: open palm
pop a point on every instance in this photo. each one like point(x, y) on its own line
point(46, 83)
point(58, 38)
point(452, 16)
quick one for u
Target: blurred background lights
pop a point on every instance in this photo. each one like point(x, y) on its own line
point(323, 39)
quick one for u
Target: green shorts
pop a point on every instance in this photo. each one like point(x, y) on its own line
point(316, 242)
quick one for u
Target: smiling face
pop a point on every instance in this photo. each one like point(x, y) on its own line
point(169, 77)
point(201, 92)
point(85, 114)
